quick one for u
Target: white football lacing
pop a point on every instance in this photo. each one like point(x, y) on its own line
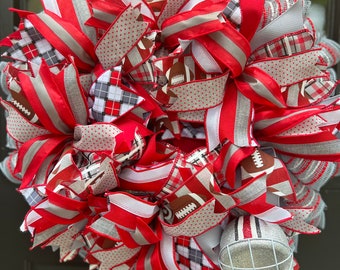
point(177, 79)
point(185, 211)
point(257, 159)
point(20, 107)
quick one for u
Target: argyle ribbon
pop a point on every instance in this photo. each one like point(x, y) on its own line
point(69, 40)
point(225, 84)
point(112, 97)
point(32, 46)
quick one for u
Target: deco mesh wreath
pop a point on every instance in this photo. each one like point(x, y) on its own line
point(142, 129)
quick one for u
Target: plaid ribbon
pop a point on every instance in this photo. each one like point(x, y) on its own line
point(112, 98)
point(189, 255)
point(66, 38)
point(289, 44)
point(33, 47)
point(233, 13)
point(43, 141)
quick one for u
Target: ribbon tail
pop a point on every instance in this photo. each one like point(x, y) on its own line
point(34, 153)
point(260, 88)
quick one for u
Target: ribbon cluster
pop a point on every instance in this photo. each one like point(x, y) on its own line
point(141, 128)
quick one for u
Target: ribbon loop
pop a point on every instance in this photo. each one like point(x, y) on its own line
point(96, 137)
point(114, 45)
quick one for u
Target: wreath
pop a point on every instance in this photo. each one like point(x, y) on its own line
point(181, 134)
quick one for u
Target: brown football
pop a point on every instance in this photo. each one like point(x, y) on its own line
point(257, 163)
point(182, 206)
point(179, 73)
point(22, 104)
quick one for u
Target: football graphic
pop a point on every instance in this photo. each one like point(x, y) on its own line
point(182, 206)
point(22, 104)
point(257, 163)
point(179, 73)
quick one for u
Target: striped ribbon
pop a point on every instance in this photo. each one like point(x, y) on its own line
point(231, 120)
point(57, 99)
point(127, 220)
point(256, 202)
point(54, 214)
point(75, 12)
point(282, 130)
point(227, 50)
point(229, 159)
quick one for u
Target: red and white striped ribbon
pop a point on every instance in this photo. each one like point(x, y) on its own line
point(214, 210)
point(129, 218)
point(51, 98)
point(256, 204)
point(191, 24)
point(75, 12)
point(284, 132)
point(229, 159)
point(231, 120)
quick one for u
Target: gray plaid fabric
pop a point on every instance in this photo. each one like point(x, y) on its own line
point(233, 12)
point(33, 47)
